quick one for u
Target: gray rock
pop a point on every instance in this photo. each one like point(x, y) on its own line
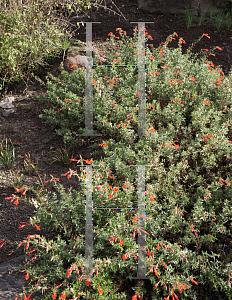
point(23, 98)
point(7, 102)
point(7, 112)
point(71, 63)
point(7, 107)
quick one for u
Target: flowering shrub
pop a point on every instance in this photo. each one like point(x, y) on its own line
point(187, 153)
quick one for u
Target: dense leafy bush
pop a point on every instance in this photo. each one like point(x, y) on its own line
point(188, 192)
point(30, 35)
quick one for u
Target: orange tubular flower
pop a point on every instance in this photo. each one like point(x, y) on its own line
point(121, 243)
point(87, 282)
point(193, 281)
point(135, 219)
point(134, 297)
point(125, 256)
point(205, 34)
point(37, 227)
point(158, 247)
point(182, 285)
point(175, 296)
point(100, 290)
point(134, 255)
point(88, 161)
point(164, 264)
point(148, 253)
point(152, 198)
point(157, 284)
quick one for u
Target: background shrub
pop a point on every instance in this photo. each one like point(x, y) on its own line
point(30, 35)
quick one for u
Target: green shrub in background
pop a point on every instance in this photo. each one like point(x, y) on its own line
point(228, 9)
point(188, 188)
point(218, 19)
point(189, 18)
point(30, 35)
point(7, 154)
